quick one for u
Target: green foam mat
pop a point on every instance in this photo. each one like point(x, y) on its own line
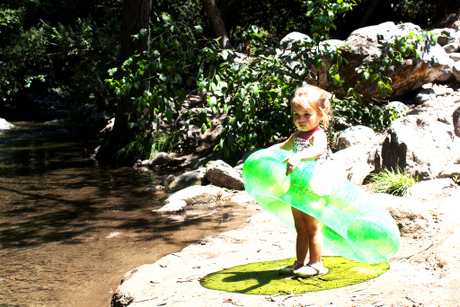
point(262, 278)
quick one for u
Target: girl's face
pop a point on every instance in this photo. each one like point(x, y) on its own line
point(305, 119)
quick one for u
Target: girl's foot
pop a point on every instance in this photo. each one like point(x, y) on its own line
point(311, 269)
point(289, 270)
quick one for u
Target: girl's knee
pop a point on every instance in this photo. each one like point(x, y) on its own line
point(306, 224)
point(309, 229)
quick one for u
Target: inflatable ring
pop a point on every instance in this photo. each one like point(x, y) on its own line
point(353, 226)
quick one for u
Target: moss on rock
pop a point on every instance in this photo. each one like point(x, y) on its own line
point(262, 278)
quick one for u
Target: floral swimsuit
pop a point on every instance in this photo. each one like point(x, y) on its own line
point(301, 143)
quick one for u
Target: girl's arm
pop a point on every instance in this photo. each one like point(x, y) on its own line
point(319, 142)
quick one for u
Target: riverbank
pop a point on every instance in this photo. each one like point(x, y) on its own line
point(424, 272)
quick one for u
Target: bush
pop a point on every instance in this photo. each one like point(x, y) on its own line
point(393, 182)
point(67, 57)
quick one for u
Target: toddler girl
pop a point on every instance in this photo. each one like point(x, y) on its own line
point(310, 106)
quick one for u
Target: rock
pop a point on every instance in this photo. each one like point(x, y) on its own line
point(456, 71)
point(449, 210)
point(203, 142)
point(196, 177)
point(354, 162)
point(4, 125)
point(167, 180)
point(425, 259)
point(363, 46)
point(448, 39)
point(439, 109)
point(439, 90)
point(400, 108)
point(161, 158)
point(193, 195)
point(413, 219)
point(424, 96)
point(411, 144)
point(357, 135)
point(221, 174)
point(455, 56)
point(451, 170)
point(292, 37)
point(456, 121)
point(430, 190)
point(242, 198)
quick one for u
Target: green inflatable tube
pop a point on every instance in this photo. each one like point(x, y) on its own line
point(353, 226)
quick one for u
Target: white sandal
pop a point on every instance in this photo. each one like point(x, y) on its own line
point(311, 269)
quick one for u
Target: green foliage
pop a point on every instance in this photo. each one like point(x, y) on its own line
point(180, 59)
point(257, 89)
point(394, 182)
point(255, 98)
point(357, 112)
point(253, 92)
point(10, 22)
point(67, 58)
point(164, 143)
point(324, 13)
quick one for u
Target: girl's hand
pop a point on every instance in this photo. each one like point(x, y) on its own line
point(292, 163)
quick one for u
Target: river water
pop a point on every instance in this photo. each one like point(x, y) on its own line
point(70, 228)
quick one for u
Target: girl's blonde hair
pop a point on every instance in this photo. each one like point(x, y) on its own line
point(316, 100)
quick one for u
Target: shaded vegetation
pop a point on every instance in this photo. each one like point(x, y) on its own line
point(66, 50)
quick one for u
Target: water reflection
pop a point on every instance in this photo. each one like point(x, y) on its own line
point(70, 229)
point(51, 190)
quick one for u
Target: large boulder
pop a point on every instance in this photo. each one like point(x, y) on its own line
point(363, 46)
point(419, 146)
point(356, 135)
point(354, 162)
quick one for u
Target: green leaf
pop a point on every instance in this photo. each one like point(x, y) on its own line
point(167, 19)
point(201, 86)
point(199, 29)
point(169, 114)
point(336, 79)
point(212, 101)
point(374, 77)
point(112, 71)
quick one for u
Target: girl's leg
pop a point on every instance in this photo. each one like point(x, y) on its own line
point(308, 237)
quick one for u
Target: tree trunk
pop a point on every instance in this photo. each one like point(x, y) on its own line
point(368, 14)
point(217, 24)
point(136, 16)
